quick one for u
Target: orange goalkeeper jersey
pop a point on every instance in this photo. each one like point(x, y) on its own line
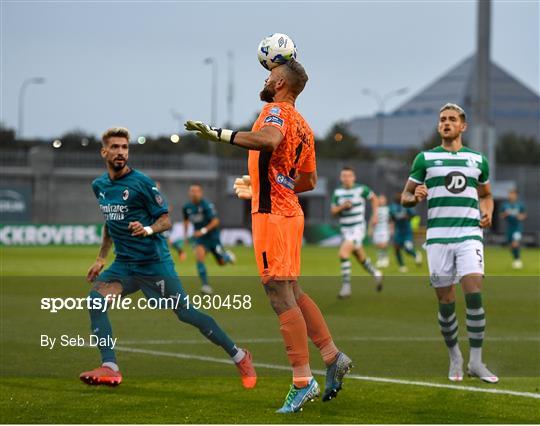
point(273, 173)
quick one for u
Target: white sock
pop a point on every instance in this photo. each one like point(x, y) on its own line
point(476, 356)
point(454, 352)
point(112, 365)
point(239, 356)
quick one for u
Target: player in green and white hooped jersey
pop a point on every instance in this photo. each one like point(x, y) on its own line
point(349, 204)
point(380, 233)
point(454, 179)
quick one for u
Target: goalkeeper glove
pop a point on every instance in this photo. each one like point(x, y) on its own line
point(214, 134)
point(242, 187)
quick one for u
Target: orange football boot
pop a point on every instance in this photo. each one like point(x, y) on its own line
point(102, 376)
point(247, 371)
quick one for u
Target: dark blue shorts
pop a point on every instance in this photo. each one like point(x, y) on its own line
point(155, 280)
point(214, 246)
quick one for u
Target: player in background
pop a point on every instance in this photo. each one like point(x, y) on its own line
point(202, 214)
point(403, 234)
point(380, 233)
point(136, 215)
point(349, 205)
point(455, 181)
point(513, 212)
point(282, 164)
point(176, 240)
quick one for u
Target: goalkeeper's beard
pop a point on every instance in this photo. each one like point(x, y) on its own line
point(267, 94)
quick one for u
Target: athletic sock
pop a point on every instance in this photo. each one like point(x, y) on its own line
point(294, 331)
point(411, 251)
point(345, 270)
point(366, 264)
point(399, 257)
point(112, 365)
point(208, 327)
point(201, 270)
point(317, 329)
point(449, 326)
point(476, 324)
point(239, 356)
point(515, 253)
point(101, 326)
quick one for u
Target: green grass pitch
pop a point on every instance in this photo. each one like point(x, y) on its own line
point(172, 375)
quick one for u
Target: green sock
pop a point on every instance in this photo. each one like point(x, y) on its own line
point(366, 264)
point(208, 328)
point(399, 257)
point(476, 319)
point(345, 270)
point(448, 323)
point(101, 327)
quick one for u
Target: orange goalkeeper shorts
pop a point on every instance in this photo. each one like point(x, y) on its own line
point(277, 241)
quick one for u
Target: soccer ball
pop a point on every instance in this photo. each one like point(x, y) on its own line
point(275, 50)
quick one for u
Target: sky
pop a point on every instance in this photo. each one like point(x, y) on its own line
point(135, 63)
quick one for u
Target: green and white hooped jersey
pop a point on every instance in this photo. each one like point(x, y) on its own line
point(357, 195)
point(452, 179)
point(383, 220)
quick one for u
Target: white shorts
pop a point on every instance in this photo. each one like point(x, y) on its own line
point(355, 234)
point(448, 263)
point(381, 237)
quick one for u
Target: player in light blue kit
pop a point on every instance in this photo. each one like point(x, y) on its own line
point(202, 214)
point(135, 215)
point(513, 212)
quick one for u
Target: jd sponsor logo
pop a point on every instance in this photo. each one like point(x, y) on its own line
point(455, 182)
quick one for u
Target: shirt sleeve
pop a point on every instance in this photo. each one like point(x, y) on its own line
point(334, 201)
point(275, 116)
point(484, 171)
point(210, 210)
point(309, 163)
point(367, 193)
point(95, 189)
point(154, 201)
point(418, 169)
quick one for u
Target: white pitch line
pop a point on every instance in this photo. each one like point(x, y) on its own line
point(337, 339)
point(322, 373)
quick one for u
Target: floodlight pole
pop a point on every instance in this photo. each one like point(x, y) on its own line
point(22, 91)
point(381, 102)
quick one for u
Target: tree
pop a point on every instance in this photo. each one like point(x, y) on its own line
point(77, 139)
point(340, 143)
point(7, 136)
point(517, 149)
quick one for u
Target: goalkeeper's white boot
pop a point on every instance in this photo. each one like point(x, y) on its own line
point(345, 291)
point(481, 371)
